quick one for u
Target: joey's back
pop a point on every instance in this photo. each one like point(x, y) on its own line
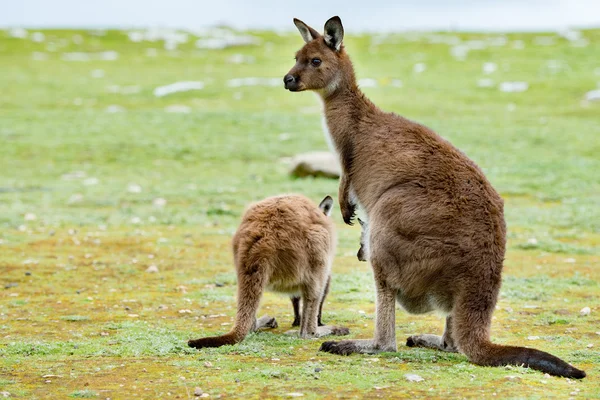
point(290, 232)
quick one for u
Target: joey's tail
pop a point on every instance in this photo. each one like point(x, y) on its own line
point(251, 283)
point(471, 332)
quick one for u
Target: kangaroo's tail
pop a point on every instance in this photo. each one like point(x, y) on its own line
point(471, 331)
point(251, 283)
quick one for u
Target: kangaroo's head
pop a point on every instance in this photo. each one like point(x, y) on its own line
point(326, 205)
point(322, 65)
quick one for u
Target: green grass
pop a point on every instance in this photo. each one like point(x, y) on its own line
point(80, 317)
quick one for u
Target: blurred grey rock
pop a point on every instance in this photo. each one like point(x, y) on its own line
point(315, 163)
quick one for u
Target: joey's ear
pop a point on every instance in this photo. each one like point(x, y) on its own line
point(308, 33)
point(334, 33)
point(326, 205)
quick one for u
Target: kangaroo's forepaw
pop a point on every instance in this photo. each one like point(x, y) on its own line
point(348, 214)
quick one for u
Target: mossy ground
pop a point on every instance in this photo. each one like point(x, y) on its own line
point(81, 317)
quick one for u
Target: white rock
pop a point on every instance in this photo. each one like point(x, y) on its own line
point(367, 82)
point(108, 55)
point(252, 81)
point(91, 181)
point(38, 37)
point(225, 40)
point(532, 241)
point(316, 163)
point(570, 260)
point(513, 87)
point(585, 311)
point(159, 202)
point(134, 188)
point(419, 68)
point(30, 217)
point(241, 59)
point(485, 82)
point(489, 67)
point(39, 56)
point(75, 198)
point(518, 45)
point(178, 108)
point(460, 51)
point(18, 33)
point(152, 269)
point(593, 95)
point(97, 73)
point(114, 108)
point(543, 40)
point(413, 378)
point(183, 86)
point(533, 337)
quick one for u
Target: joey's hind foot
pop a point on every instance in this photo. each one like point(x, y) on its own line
point(266, 322)
point(431, 342)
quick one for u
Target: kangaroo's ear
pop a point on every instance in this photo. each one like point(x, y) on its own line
point(308, 33)
point(334, 33)
point(326, 205)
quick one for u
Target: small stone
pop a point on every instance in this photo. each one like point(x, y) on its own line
point(570, 260)
point(5, 394)
point(28, 273)
point(30, 217)
point(589, 346)
point(318, 369)
point(152, 269)
point(198, 392)
point(585, 311)
point(513, 378)
point(159, 202)
point(316, 163)
point(132, 315)
point(205, 395)
point(134, 188)
point(533, 337)
point(532, 241)
point(208, 364)
point(295, 394)
point(413, 378)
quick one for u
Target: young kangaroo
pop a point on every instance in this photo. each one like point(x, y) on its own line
point(436, 229)
point(285, 244)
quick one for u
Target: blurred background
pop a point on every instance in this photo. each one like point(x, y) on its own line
point(378, 16)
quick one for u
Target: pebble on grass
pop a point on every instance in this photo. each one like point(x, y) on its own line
point(182, 86)
point(413, 378)
point(585, 311)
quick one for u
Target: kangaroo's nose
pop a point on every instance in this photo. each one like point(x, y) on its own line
point(288, 79)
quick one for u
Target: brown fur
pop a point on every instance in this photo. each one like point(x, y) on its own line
point(285, 244)
point(436, 225)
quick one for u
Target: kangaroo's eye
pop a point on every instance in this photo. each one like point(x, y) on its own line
point(315, 62)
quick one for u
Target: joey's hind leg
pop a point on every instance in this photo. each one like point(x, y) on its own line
point(312, 297)
point(325, 292)
point(444, 342)
point(296, 304)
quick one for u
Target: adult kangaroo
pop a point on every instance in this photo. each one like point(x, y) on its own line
point(436, 229)
point(286, 244)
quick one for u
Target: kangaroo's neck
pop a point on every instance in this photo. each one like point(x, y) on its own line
point(344, 108)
